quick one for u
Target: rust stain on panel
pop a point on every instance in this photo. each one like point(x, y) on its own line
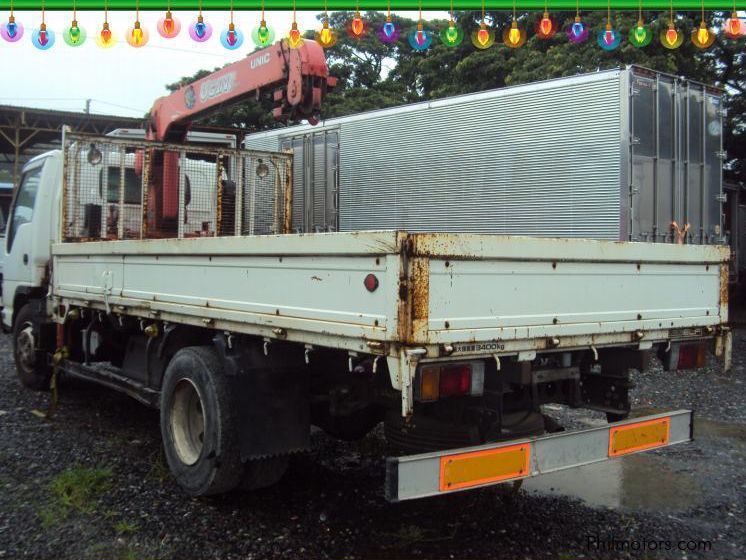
point(287, 224)
point(420, 296)
point(403, 314)
point(724, 285)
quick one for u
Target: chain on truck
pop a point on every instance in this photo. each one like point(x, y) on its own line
point(163, 265)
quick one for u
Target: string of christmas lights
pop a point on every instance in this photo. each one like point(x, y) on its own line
point(420, 38)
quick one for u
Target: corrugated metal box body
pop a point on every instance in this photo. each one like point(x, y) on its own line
point(562, 158)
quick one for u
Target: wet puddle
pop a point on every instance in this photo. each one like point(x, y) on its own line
point(642, 481)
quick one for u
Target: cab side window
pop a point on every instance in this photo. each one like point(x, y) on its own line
point(132, 185)
point(23, 206)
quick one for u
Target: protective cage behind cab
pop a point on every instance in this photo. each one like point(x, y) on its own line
point(117, 188)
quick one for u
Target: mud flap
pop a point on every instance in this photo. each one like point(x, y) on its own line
point(272, 395)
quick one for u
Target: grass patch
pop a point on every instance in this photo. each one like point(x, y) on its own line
point(50, 516)
point(125, 528)
point(79, 487)
point(128, 554)
point(159, 469)
point(75, 489)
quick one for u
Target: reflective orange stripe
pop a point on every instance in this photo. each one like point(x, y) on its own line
point(638, 436)
point(465, 470)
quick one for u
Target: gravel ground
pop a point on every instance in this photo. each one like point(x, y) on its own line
point(92, 483)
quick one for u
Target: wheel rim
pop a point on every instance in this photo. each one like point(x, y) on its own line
point(25, 348)
point(187, 422)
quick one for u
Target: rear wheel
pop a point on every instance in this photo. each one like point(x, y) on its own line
point(31, 367)
point(616, 416)
point(198, 424)
point(199, 428)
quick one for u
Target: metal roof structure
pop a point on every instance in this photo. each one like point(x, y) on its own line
point(26, 131)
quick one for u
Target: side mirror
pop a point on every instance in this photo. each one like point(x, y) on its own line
point(94, 155)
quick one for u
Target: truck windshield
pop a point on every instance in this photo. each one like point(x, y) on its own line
point(23, 209)
point(132, 185)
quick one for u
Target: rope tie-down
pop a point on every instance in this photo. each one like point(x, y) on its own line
point(59, 355)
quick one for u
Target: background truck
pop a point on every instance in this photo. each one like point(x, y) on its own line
point(244, 335)
point(620, 155)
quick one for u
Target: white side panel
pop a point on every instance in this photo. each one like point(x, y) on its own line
point(536, 288)
point(517, 297)
point(261, 281)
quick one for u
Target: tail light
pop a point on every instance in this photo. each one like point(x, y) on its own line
point(449, 380)
point(692, 356)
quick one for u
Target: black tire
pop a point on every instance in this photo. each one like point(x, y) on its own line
point(353, 427)
point(261, 473)
point(198, 423)
point(616, 417)
point(31, 365)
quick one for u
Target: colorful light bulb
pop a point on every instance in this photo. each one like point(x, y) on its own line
point(231, 38)
point(11, 31)
point(452, 35)
point(137, 36)
point(262, 35)
point(74, 35)
point(734, 27)
point(484, 37)
point(578, 32)
point(389, 32)
point(514, 36)
point(294, 38)
point(608, 38)
point(545, 27)
point(43, 38)
point(200, 30)
point(169, 26)
point(420, 38)
point(702, 37)
point(640, 35)
point(105, 39)
point(357, 26)
point(671, 38)
point(326, 37)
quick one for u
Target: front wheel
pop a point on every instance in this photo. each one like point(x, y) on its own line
point(32, 370)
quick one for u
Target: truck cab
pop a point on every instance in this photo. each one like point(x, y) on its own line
point(32, 223)
point(31, 226)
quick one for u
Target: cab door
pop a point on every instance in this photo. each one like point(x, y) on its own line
point(18, 263)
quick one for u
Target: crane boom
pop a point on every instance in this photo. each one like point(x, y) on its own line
point(298, 78)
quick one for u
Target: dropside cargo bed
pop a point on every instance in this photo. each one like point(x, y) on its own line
point(437, 296)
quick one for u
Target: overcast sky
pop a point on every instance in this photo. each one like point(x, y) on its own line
point(122, 80)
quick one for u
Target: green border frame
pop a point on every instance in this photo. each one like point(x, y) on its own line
point(335, 5)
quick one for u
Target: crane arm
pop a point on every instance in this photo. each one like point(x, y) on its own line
point(298, 78)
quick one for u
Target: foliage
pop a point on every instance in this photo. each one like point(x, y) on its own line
point(373, 74)
point(75, 489)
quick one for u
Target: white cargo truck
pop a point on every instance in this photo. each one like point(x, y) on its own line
point(245, 335)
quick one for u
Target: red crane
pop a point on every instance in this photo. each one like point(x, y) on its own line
point(298, 78)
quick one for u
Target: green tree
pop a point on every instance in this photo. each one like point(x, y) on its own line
point(372, 74)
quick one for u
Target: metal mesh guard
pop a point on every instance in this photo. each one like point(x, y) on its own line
point(116, 189)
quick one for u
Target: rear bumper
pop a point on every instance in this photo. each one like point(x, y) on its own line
point(443, 472)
